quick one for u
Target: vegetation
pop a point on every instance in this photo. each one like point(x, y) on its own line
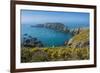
point(80, 40)
point(53, 54)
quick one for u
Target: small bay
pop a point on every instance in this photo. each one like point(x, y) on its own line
point(48, 37)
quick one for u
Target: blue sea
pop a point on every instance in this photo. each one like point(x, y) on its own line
point(48, 37)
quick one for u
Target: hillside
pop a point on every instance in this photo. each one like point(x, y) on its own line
point(80, 40)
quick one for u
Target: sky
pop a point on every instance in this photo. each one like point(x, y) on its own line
point(39, 17)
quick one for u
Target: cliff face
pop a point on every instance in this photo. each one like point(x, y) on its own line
point(75, 31)
point(80, 40)
point(57, 26)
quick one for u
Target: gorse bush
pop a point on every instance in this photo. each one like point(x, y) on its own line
point(25, 55)
point(53, 54)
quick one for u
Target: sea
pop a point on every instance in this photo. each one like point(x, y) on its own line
point(48, 37)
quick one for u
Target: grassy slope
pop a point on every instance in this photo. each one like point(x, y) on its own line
point(82, 37)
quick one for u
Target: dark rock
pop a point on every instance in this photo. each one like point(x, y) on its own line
point(66, 42)
point(34, 39)
point(25, 34)
point(75, 31)
point(29, 41)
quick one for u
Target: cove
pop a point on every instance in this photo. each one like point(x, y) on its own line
point(48, 37)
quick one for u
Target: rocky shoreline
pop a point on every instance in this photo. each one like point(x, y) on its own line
point(29, 41)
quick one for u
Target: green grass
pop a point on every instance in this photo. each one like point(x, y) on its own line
point(81, 38)
point(53, 54)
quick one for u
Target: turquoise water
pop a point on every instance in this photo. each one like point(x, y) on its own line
point(48, 37)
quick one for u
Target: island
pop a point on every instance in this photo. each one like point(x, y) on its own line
point(54, 26)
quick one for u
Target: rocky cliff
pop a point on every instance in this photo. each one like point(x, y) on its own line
point(80, 40)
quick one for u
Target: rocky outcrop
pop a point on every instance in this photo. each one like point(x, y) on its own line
point(29, 41)
point(75, 31)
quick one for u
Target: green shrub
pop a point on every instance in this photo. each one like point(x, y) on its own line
point(25, 55)
point(53, 54)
